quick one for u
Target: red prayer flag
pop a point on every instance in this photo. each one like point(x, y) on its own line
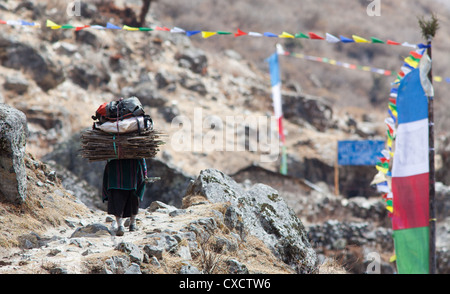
point(81, 27)
point(389, 42)
point(162, 29)
point(315, 37)
point(410, 201)
point(415, 55)
point(240, 33)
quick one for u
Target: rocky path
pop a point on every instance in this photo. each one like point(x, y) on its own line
point(65, 249)
point(165, 242)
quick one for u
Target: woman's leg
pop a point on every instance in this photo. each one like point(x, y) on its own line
point(132, 223)
point(120, 229)
point(116, 205)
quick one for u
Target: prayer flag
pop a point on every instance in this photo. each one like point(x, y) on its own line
point(315, 36)
point(275, 79)
point(410, 178)
point(359, 39)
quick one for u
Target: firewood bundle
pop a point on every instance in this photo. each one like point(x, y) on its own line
point(97, 145)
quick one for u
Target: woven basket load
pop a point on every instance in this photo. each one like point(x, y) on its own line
point(97, 145)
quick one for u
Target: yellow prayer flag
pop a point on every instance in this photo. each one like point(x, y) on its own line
point(382, 169)
point(286, 35)
point(332, 61)
point(437, 79)
point(52, 25)
point(411, 62)
point(390, 209)
point(389, 142)
point(125, 27)
point(393, 258)
point(359, 39)
point(208, 34)
point(366, 68)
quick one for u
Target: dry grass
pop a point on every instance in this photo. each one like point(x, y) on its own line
point(42, 209)
point(331, 266)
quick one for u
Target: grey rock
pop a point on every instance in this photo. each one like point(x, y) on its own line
point(195, 85)
point(16, 83)
point(158, 205)
point(163, 79)
point(169, 112)
point(154, 251)
point(160, 242)
point(172, 186)
point(17, 55)
point(177, 212)
point(91, 230)
point(189, 269)
point(315, 111)
point(87, 74)
point(135, 253)
point(65, 48)
point(193, 59)
point(133, 269)
point(116, 265)
point(235, 267)
point(58, 271)
point(264, 214)
point(231, 218)
point(147, 93)
point(87, 37)
point(13, 136)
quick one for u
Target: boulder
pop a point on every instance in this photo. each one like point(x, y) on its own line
point(16, 83)
point(91, 230)
point(87, 74)
point(193, 59)
point(170, 189)
point(17, 55)
point(264, 214)
point(299, 108)
point(13, 136)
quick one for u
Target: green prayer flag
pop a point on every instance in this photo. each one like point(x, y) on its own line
point(375, 40)
point(301, 35)
point(283, 167)
point(412, 250)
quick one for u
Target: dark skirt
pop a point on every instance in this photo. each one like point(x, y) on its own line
point(123, 203)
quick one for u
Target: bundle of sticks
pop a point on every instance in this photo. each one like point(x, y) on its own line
point(97, 145)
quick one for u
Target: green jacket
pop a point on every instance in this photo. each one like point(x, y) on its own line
point(124, 174)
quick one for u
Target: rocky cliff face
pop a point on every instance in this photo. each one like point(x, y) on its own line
point(213, 232)
point(13, 136)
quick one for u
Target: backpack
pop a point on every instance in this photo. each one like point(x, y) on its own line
point(122, 109)
point(119, 110)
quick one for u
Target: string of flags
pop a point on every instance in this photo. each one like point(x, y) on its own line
point(335, 62)
point(239, 33)
point(410, 61)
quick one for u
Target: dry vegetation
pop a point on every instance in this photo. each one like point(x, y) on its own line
point(41, 210)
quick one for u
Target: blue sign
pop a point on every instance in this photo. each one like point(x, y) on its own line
point(359, 152)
